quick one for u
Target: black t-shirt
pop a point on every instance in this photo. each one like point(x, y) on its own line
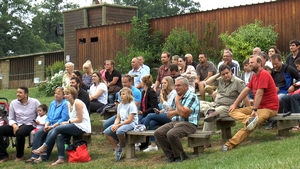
point(84, 97)
point(115, 73)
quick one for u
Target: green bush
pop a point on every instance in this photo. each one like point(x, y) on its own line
point(181, 42)
point(49, 86)
point(243, 40)
point(55, 68)
point(142, 41)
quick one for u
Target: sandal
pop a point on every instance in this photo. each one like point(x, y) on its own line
point(57, 162)
point(38, 152)
point(38, 161)
point(30, 160)
point(296, 128)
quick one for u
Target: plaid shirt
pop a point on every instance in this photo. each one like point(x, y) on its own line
point(163, 71)
point(191, 101)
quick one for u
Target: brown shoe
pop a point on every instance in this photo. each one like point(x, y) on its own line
point(18, 159)
point(211, 117)
point(4, 160)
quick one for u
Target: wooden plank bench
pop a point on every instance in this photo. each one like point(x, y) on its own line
point(85, 136)
point(195, 141)
point(109, 113)
point(224, 124)
point(284, 124)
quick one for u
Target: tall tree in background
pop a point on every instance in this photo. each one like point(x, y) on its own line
point(13, 14)
point(48, 14)
point(158, 8)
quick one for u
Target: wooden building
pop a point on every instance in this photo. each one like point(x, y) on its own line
point(24, 70)
point(88, 17)
point(283, 14)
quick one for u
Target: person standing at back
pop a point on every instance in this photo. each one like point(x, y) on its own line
point(162, 70)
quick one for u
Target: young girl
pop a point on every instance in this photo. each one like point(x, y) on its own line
point(126, 120)
point(39, 121)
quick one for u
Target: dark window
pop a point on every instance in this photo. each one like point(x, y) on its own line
point(81, 41)
point(94, 39)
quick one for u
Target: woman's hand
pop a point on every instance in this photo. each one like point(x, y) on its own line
point(140, 112)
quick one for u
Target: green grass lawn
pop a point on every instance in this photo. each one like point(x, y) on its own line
point(263, 149)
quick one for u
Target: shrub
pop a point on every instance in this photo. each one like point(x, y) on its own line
point(181, 42)
point(49, 86)
point(55, 68)
point(141, 41)
point(243, 40)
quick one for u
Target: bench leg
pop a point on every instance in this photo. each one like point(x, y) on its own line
point(198, 144)
point(283, 132)
point(226, 134)
point(130, 151)
point(87, 138)
point(198, 150)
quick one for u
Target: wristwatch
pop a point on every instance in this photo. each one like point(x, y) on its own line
point(254, 109)
point(70, 122)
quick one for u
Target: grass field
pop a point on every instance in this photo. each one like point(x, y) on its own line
point(262, 150)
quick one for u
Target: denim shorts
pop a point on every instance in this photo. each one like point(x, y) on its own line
point(120, 131)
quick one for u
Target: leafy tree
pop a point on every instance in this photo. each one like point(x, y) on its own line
point(48, 14)
point(141, 41)
point(12, 16)
point(243, 40)
point(157, 8)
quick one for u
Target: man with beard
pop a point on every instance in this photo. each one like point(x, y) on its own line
point(82, 94)
point(205, 69)
point(22, 113)
point(294, 48)
point(266, 103)
point(162, 70)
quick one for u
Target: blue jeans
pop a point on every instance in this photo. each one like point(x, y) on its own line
point(120, 131)
point(153, 120)
point(39, 138)
point(60, 132)
point(109, 122)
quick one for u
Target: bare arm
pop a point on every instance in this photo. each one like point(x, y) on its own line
point(209, 74)
point(241, 97)
point(79, 112)
point(212, 79)
point(113, 82)
point(156, 85)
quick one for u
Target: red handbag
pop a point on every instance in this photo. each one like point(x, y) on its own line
point(78, 152)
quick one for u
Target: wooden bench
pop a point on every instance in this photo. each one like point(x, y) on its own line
point(85, 136)
point(109, 113)
point(195, 141)
point(284, 124)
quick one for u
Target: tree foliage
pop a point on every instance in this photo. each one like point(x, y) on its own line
point(141, 41)
point(158, 8)
point(26, 27)
point(244, 39)
point(181, 42)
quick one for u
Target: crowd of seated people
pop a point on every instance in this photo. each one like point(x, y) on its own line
point(175, 86)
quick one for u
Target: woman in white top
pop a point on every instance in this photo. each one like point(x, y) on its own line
point(78, 124)
point(188, 72)
point(153, 120)
point(98, 92)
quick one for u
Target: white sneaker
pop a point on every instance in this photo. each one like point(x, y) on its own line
point(252, 123)
point(151, 148)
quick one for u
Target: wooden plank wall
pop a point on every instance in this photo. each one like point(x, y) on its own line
point(72, 20)
point(283, 14)
point(109, 43)
point(95, 16)
point(21, 72)
point(114, 14)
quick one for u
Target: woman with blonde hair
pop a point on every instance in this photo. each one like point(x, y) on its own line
point(125, 121)
point(149, 98)
point(69, 68)
point(78, 124)
point(158, 118)
point(87, 76)
point(98, 92)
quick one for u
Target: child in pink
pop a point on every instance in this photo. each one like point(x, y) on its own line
point(39, 121)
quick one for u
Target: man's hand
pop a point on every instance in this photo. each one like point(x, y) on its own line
point(254, 113)
point(15, 128)
point(177, 98)
point(291, 89)
point(232, 107)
